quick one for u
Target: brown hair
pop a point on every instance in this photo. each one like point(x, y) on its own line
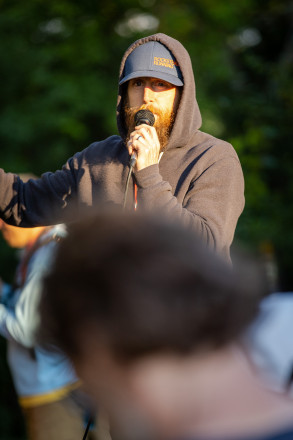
point(143, 285)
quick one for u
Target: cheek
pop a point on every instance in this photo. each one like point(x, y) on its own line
point(153, 395)
point(169, 100)
point(177, 96)
point(86, 373)
point(96, 379)
point(103, 380)
point(134, 97)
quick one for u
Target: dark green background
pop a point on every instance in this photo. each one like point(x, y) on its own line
point(59, 70)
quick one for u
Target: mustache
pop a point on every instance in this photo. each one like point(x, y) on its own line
point(161, 116)
point(163, 121)
point(133, 110)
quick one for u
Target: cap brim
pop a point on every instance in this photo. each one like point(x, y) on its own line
point(153, 74)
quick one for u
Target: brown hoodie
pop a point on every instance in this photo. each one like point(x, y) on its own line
point(198, 180)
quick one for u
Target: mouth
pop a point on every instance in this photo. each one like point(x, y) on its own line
point(154, 111)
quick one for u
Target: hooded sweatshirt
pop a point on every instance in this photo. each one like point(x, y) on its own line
point(198, 181)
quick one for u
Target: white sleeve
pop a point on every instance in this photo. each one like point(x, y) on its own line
point(20, 324)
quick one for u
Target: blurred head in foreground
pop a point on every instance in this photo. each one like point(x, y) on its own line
point(150, 319)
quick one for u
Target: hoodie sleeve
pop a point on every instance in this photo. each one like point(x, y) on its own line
point(38, 202)
point(212, 203)
point(91, 177)
point(63, 195)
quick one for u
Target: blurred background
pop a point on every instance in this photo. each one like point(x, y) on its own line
point(59, 72)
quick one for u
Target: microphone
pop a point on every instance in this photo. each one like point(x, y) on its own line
point(141, 117)
point(144, 117)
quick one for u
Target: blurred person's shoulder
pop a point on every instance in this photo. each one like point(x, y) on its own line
point(269, 339)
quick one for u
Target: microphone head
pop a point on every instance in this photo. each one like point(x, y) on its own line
point(144, 117)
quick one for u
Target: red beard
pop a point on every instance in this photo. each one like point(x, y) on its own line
point(163, 123)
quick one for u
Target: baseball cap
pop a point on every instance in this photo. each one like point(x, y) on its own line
point(152, 59)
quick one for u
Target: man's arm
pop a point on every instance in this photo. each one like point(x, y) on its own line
point(211, 206)
point(214, 200)
point(39, 202)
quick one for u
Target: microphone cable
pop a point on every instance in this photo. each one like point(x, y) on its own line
point(90, 421)
point(131, 166)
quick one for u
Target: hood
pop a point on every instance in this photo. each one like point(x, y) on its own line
point(188, 117)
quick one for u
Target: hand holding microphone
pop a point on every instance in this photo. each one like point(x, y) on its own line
point(144, 145)
point(142, 119)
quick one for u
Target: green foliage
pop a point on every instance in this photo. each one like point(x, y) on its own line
point(59, 71)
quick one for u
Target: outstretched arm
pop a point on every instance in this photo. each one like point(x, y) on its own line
point(38, 202)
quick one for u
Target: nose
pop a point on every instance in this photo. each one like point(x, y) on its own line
point(148, 95)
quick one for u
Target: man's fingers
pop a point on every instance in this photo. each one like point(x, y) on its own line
point(144, 141)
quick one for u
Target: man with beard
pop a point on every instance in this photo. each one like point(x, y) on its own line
point(181, 171)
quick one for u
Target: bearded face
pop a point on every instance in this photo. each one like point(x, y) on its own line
point(163, 123)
